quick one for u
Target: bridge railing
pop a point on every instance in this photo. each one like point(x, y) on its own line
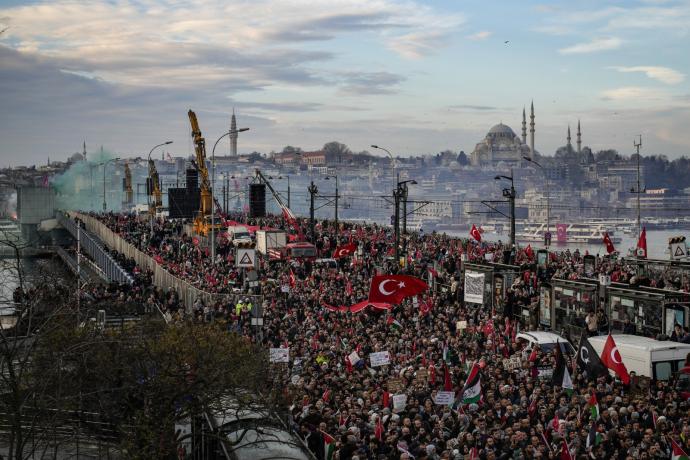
point(98, 254)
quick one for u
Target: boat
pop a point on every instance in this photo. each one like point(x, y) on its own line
point(582, 233)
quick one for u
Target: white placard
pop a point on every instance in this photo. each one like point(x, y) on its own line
point(380, 358)
point(245, 258)
point(285, 288)
point(474, 287)
point(354, 358)
point(279, 355)
point(445, 398)
point(399, 402)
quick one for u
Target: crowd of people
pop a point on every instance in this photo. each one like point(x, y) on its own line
point(346, 409)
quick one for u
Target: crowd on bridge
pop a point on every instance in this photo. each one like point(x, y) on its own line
point(347, 409)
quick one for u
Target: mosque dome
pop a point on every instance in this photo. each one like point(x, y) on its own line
point(502, 130)
point(76, 157)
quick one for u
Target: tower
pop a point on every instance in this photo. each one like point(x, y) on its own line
point(531, 131)
point(579, 138)
point(84, 152)
point(569, 144)
point(524, 127)
point(233, 135)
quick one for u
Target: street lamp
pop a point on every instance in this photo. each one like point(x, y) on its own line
point(335, 176)
point(288, 186)
point(510, 194)
point(548, 203)
point(213, 183)
point(148, 194)
point(104, 165)
point(395, 163)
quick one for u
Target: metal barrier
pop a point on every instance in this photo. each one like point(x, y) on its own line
point(98, 254)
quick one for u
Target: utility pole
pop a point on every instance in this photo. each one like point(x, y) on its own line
point(404, 197)
point(637, 145)
point(510, 194)
point(396, 196)
point(313, 190)
point(337, 228)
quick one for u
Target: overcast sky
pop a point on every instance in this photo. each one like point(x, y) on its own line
point(415, 77)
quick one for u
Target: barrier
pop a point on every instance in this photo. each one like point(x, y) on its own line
point(161, 277)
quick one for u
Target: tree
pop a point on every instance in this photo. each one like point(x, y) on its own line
point(336, 150)
point(290, 150)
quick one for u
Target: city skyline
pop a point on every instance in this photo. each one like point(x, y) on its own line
point(416, 77)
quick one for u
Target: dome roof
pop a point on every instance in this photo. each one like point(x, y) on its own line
point(502, 129)
point(76, 157)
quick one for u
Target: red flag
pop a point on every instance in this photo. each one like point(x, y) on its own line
point(432, 374)
point(677, 451)
point(555, 423)
point(378, 432)
point(611, 358)
point(433, 272)
point(348, 365)
point(386, 398)
point(195, 240)
point(348, 288)
point(609, 245)
point(642, 243)
point(532, 409)
point(565, 452)
point(529, 251)
point(474, 233)
point(293, 279)
point(447, 383)
point(394, 288)
point(326, 395)
point(344, 251)
point(533, 355)
point(473, 454)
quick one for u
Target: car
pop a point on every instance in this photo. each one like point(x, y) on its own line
point(547, 341)
point(328, 263)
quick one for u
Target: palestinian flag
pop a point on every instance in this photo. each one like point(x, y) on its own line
point(394, 324)
point(593, 407)
point(328, 446)
point(594, 437)
point(678, 453)
point(561, 376)
point(472, 391)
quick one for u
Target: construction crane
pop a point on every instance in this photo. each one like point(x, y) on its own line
point(127, 186)
point(154, 189)
point(287, 213)
point(200, 225)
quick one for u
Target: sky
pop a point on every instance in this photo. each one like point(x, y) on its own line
point(416, 77)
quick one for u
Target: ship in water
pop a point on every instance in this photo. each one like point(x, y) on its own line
point(579, 233)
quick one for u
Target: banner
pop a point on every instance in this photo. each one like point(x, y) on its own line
point(445, 398)
point(380, 358)
point(399, 402)
point(354, 358)
point(474, 287)
point(279, 355)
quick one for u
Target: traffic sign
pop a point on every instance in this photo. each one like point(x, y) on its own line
point(245, 258)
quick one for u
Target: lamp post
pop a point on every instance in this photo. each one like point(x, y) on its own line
point(395, 163)
point(288, 186)
point(104, 164)
point(335, 176)
point(148, 195)
point(213, 183)
point(548, 202)
point(510, 194)
point(399, 192)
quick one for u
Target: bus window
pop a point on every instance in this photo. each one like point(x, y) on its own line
point(662, 370)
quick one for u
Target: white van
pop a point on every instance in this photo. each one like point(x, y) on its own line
point(547, 341)
point(658, 360)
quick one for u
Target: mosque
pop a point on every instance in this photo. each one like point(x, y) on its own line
point(501, 145)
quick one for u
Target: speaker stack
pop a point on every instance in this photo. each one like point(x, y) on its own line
point(257, 200)
point(192, 176)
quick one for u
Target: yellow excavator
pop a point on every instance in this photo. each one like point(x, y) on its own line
point(156, 202)
point(202, 224)
point(129, 193)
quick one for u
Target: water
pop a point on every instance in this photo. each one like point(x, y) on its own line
point(657, 243)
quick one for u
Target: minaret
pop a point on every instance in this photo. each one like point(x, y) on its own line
point(524, 127)
point(84, 152)
point(233, 135)
point(531, 131)
point(579, 138)
point(569, 144)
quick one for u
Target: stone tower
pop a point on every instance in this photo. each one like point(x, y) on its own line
point(233, 135)
point(579, 138)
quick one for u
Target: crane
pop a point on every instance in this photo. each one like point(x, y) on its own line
point(129, 193)
point(287, 213)
point(200, 224)
point(155, 190)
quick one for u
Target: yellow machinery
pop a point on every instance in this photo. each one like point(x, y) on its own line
point(201, 224)
point(129, 193)
point(155, 190)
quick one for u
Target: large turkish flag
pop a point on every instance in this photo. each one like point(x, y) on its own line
point(394, 288)
point(344, 251)
point(612, 359)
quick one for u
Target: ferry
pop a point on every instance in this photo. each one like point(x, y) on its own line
point(585, 233)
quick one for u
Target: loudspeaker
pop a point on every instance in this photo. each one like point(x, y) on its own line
point(257, 200)
point(183, 203)
point(192, 176)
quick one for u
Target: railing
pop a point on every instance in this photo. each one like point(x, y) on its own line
point(98, 254)
point(162, 278)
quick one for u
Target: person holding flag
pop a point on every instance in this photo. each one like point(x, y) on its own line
point(588, 360)
point(608, 243)
point(561, 375)
point(611, 358)
point(474, 233)
point(471, 392)
point(394, 288)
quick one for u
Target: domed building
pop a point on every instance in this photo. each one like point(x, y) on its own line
point(501, 144)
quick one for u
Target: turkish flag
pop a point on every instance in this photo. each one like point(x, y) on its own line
point(293, 279)
point(344, 251)
point(394, 288)
point(642, 242)
point(565, 452)
point(608, 243)
point(611, 358)
point(447, 383)
point(529, 252)
point(474, 233)
point(348, 288)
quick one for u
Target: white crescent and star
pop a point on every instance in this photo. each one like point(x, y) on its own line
point(615, 351)
point(584, 355)
point(382, 287)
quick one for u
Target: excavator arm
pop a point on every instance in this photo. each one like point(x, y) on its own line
point(157, 201)
point(129, 193)
point(205, 204)
point(287, 213)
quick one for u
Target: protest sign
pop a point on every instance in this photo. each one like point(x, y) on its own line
point(445, 398)
point(279, 355)
point(380, 358)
